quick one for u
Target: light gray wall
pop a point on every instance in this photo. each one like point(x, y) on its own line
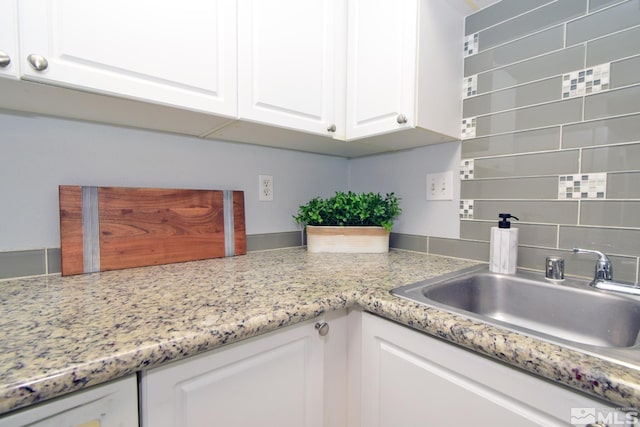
point(39, 153)
point(405, 173)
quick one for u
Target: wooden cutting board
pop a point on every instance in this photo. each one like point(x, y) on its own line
point(111, 228)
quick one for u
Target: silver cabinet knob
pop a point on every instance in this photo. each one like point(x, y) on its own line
point(401, 119)
point(322, 328)
point(38, 62)
point(5, 59)
point(331, 128)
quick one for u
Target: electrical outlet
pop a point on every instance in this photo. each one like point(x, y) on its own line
point(440, 186)
point(265, 188)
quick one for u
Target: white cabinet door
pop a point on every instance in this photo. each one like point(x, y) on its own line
point(114, 404)
point(270, 380)
point(381, 66)
point(411, 379)
point(8, 38)
point(288, 55)
point(173, 53)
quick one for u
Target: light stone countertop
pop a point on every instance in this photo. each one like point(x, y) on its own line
point(59, 335)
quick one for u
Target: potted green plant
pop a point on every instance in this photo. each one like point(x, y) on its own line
point(349, 222)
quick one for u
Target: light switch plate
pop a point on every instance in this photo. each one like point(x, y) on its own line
point(440, 186)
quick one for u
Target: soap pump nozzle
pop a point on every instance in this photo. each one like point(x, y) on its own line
point(504, 220)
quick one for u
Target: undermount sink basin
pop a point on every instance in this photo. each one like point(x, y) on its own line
point(571, 311)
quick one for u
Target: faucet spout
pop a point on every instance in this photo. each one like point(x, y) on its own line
point(604, 269)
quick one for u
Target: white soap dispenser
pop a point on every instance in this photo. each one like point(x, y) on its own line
point(503, 251)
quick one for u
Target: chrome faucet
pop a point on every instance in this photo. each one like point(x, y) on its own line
point(603, 277)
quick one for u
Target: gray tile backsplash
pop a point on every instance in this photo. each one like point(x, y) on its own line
point(603, 22)
point(499, 12)
point(623, 185)
point(530, 117)
point(520, 96)
point(22, 263)
point(625, 72)
point(613, 213)
point(602, 132)
point(617, 158)
point(613, 47)
point(538, 211)
point(527, 136)
point(516, 188)
point(557, 162)
point(544, 66)
point(513, 143)
point(531, 22)
point(536, 44)
point(612, 103)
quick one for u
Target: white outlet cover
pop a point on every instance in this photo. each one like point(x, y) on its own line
point(265, 188)
point(440, 186)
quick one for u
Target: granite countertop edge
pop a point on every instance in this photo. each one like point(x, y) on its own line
point(615, 383)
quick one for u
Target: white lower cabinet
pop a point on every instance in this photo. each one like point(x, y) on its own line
point(409, 379)
point(114, 404)
point(277, 379)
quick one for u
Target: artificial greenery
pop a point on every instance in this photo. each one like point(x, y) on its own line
point(351, 209)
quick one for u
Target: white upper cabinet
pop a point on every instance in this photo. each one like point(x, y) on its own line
point(290, 57)
point(404, 70)
point(173, 53)
point(381, 66)
point(8, 38)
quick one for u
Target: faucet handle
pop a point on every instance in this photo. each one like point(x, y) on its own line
point(604, 269)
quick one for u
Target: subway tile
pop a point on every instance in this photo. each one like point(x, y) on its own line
point(625, 185)
point(459, 248)
point(612, 213)
point(260, 242)
point(576, 264)
point(545, 212)
point(600, 132)
point(555, 162)
point(515, 188)
point(595, 5)
point(551, 64)
point(54, 261)
point(536, 44)
point(530, 117)
point(507, 99)
point(625, 72)
point(22, 263)
point(619, 158)
point(613, 47)
point(539, 19)
point(616, 18)
point(528, 234)
point(608, 240)
point(498, 12)
point(512, 143)
point(409, 242)
point(612, 103)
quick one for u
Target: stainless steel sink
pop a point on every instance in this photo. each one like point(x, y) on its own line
point(571, 312)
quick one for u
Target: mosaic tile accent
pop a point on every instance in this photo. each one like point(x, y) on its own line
point(466, 209)
point(584, 82)
point(471, 44)
point(582, 186)
point(469, 86)
point(468, 129)
point(466, 169)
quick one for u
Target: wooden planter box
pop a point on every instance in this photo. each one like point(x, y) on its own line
point(370, 240)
